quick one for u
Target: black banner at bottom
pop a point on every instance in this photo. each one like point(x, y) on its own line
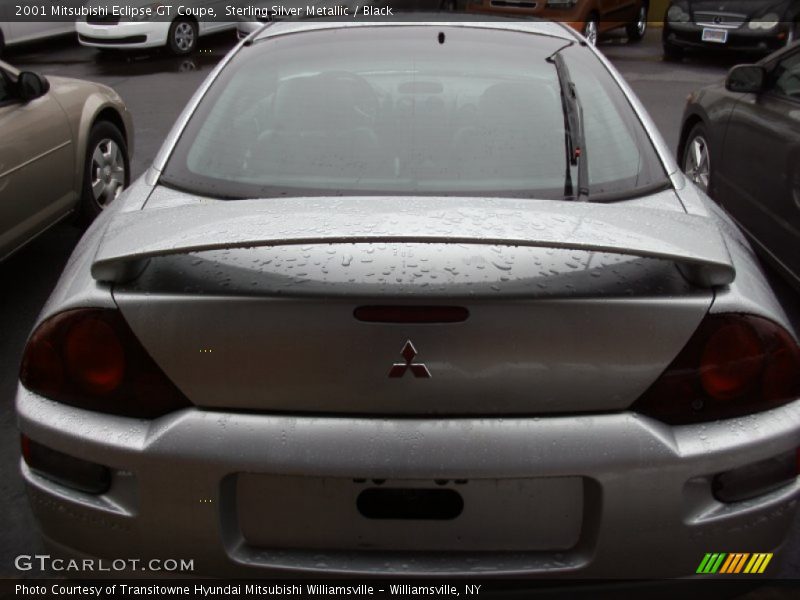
point(334, 589)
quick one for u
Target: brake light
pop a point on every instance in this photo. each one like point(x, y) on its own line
point(91, 359)
point(733, 358)
point(733, 365)
point(93, 356)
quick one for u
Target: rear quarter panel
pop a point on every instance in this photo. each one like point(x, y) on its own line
point(751, 291)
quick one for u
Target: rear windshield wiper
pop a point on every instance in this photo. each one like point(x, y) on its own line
point(573, 125)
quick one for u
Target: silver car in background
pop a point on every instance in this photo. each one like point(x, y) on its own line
point(418, 299)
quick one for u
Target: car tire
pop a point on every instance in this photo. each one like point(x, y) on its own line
point(638, 27)
point(182, 36)
point(106, 170)
point(696, 158)
point(673, 53)
point(591, 29)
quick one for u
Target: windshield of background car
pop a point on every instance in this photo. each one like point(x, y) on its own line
point(412, 110)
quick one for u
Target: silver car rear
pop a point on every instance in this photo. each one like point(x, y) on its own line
point(410, 382)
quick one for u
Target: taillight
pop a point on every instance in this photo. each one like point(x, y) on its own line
point(733, 365)
point(90, 358)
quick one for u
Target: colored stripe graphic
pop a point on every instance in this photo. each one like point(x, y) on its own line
point(711, 563)
point(734, 559)
point(726, 566)
point(768, 557)
point(734, 563)
point(758, 563)
point(753, 563)
point(703, 564)
point(740, 564)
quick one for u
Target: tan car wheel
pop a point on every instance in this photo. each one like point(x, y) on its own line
point(106, 170)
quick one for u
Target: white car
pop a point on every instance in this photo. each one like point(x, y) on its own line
point(150, 24)
point(18, 32)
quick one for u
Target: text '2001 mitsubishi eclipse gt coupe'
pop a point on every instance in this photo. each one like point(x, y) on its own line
point(413, 298)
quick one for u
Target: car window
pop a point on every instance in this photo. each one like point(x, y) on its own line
point(786, 77)
point(407, 110)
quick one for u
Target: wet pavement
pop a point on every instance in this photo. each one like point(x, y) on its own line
point(156, 87)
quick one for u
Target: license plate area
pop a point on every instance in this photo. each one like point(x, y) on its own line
point(413, 504)
point(336, 513)
point(716, 36)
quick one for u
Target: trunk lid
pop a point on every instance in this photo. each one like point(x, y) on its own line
point(302, 321)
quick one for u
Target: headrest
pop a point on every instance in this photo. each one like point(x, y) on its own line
point(316, 103)
point(517, 104)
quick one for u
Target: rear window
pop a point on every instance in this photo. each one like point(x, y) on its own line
point(409, 110)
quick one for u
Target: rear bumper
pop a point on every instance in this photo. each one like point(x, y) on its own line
point(188, 485)
point(689, 36)
point(125, 34)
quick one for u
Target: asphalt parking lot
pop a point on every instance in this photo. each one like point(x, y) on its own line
point(156, 87)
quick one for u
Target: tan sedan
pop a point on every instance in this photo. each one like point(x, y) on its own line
point(65, 146)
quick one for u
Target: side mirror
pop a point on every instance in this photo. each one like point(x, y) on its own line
point(31, 86)
point(746, 79)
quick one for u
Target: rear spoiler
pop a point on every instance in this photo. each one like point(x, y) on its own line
point(693, 242)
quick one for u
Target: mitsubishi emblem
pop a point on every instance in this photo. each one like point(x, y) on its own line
point(417, 369)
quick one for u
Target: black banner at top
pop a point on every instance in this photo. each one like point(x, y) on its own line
point(114, 12)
